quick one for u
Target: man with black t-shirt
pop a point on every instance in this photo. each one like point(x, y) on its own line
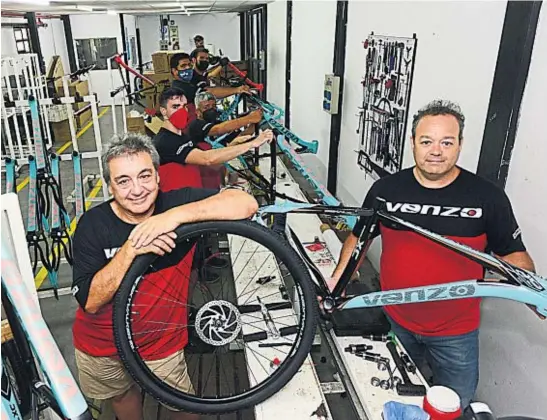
point(190, 76)
point(448, 200)
point(207, 123)
point(139, 220)
point(176, 147)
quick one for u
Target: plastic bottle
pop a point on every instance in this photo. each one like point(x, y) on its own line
point(442, 403)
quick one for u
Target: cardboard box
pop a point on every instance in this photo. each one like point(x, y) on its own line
point(61, 131)
point(135, 125)
point(160, 60)
point(158, 78)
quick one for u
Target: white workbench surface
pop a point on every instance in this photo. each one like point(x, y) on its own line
point(307, 228)
point(302, 396)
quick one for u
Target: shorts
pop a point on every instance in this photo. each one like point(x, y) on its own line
point(102, 378)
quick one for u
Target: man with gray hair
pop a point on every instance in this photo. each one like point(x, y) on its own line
point(138, 220)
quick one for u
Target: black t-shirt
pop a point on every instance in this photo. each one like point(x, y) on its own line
point(100, 234)
point(173, 147)
point(470, 206)
point(471, 211)
point(199, 129)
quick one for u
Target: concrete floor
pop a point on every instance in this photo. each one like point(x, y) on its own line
point(59, 315)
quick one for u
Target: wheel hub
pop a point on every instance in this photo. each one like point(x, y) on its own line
point(218, 322)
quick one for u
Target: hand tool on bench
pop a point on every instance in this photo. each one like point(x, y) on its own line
point(406, 388)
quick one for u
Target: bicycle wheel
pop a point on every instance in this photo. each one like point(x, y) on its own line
point(240, 317)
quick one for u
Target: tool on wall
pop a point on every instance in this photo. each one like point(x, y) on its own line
point(389, 68)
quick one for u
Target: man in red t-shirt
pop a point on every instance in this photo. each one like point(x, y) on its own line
point(139, 220)
point(448, 200)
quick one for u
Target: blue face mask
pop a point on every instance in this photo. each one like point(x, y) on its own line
point(186, 75)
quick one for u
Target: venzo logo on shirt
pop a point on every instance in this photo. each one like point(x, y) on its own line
point(110, 252)
point(435, 210)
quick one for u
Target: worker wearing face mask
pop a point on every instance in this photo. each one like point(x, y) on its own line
point(180, 152)
point(190, 76)
point(208, 123)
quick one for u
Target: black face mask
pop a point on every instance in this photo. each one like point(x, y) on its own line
point(202, 65)
point(211, 115)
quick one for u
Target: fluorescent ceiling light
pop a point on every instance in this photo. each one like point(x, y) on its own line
point(85, 8)
point(36, 2)
point(184, 9)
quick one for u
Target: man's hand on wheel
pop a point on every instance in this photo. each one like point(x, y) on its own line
point(162, 245)
point(144, 233)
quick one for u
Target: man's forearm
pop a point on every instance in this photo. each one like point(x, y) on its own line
point(214, 73)
point(225, 154)
point(521, 260)
point(345, 255)
point(106, 282)
point(231, 204)
point(222, 92)
point(229, 126)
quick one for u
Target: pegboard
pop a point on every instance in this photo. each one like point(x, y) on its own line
point(383, 115)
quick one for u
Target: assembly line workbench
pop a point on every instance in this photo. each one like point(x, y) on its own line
point(355, 373)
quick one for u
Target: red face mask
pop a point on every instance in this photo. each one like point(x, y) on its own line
point(180, 118)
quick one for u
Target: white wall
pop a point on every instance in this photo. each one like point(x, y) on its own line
point(312, 54)
point(220, 29)
point(53, 42)
point(276, 52)
point(513, 340)
point(99, 26)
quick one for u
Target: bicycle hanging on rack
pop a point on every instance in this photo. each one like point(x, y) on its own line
point(44, 185)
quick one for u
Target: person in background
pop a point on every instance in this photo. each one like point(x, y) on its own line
point(448, 200)
point(190, 81)
point(208, 123)
point(174, 146)
point(140, 219)
point(199, 41)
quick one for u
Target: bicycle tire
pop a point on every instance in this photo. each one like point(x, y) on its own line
point(16, 373)
point(135, 365)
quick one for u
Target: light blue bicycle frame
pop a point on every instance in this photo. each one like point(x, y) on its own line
point(60, 380)
point(520, 285)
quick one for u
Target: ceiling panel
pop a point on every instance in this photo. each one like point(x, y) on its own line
point(134, 6)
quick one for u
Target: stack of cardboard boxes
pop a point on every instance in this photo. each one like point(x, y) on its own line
point(59, 119)
point(161, 76)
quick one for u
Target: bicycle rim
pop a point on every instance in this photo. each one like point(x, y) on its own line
point(262, 296)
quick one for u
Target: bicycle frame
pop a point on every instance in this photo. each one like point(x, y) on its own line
point(519, 285)
point(32, 335)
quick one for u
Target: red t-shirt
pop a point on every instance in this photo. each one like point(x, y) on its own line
point(159, 315)
point(472, 211)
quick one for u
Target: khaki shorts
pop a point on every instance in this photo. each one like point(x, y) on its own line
point(102, 378)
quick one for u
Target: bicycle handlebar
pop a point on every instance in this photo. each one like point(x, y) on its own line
point(258, 86)
point(118, 59)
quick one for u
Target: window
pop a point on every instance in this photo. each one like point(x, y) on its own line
point(96, 51)
point(22, 40)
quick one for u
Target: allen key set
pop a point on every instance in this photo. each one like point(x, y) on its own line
point(383, 115)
